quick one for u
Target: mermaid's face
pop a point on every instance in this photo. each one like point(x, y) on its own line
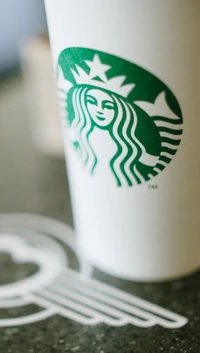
point(101, 107)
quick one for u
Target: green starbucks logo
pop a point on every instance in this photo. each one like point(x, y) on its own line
point(103, 92)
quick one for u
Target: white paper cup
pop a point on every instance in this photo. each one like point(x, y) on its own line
point(128, 81)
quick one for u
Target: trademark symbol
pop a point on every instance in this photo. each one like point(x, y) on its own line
point(153, 187)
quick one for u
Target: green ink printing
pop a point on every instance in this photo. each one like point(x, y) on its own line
point(140, 113)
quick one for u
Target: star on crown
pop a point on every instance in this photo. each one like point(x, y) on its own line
point(98, 70)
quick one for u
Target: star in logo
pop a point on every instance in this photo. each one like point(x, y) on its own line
point(98, 69)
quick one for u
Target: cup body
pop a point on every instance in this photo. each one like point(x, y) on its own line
point(128, 81)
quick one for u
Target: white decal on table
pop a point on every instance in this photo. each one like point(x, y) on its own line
point(58, 289)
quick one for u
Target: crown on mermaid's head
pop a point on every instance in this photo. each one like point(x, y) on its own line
point(98, 70)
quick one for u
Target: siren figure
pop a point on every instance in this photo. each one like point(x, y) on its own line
point(103, 104)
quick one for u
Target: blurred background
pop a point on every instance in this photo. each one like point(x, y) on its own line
point(32, 168)
point(19, 20)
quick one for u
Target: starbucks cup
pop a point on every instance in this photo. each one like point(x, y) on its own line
point(128, 78)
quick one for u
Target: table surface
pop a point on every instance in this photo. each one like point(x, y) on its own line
point(34, 183)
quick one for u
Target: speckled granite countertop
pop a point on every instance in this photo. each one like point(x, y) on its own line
point(34, 183)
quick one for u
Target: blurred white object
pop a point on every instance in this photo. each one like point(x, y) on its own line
point(41, 96)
